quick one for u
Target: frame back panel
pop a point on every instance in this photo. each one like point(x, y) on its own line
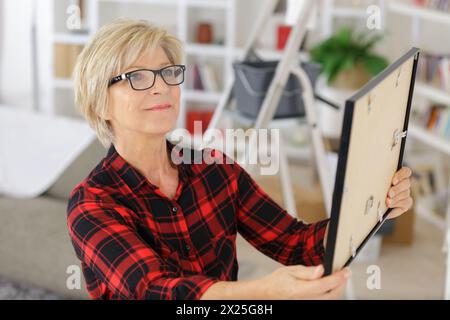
point(368, 159)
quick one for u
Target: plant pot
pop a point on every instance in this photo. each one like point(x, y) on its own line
point(352, 79)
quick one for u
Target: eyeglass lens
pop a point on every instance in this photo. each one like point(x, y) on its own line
point(144, 79)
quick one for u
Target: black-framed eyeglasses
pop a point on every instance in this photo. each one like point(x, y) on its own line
point(143, 79)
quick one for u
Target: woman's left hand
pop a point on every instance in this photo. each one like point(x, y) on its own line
point(399, 195)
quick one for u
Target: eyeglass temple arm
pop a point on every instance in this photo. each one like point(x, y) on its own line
point(118, 78)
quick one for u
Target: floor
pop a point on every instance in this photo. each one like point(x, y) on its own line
point(407, 271)
point(14, 291)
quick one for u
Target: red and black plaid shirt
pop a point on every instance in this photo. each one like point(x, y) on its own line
point(135, 243)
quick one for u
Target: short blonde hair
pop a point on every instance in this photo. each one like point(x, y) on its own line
point(115, 47)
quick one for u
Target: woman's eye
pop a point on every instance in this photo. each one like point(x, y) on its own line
point(136, 76)
point(167, 73)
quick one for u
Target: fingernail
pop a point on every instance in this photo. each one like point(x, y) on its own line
point(391, 194)
point(348, 273)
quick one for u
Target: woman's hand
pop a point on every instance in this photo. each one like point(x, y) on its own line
point(300, 282)
point(399, 195)
point(286, 283)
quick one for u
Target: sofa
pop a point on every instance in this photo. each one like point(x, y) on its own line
point(35, 247)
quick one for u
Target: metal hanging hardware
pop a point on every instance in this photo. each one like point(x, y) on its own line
point(397, 136)
point(379, 212)
point(369, 205)
point(398, 76)
point(352, 247)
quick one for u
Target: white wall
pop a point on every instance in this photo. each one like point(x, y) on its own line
point(15, 57)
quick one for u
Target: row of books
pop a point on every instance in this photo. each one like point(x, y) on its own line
point(435, 70)
point(442, 5)
point(437, 120)
point(203, 77)
point(65, 56)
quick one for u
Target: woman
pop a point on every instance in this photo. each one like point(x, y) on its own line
point(144, 227)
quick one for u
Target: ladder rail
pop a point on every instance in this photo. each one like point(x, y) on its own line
point(287, 65)
point(268, 8)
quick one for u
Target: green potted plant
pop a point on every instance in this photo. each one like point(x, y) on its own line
point(347, 59)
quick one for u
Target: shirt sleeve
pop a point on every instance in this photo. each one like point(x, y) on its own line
point(106, 241)
point(272, 230)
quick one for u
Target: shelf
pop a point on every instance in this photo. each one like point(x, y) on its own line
point(433, 93)
point(275, 123)
point(299, 152)
point(429, 138)
point(217, 4)
point(201, 96)
point(206, 49)
point(419, 12)
point(71, 38)
point(63, 83)
point(271, 54)
point(343, 11)
point(423, 210)
point(149, 2)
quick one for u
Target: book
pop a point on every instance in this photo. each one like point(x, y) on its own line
point(441, 5)
point(197, 79)
point(65, 56)
point(438, 120)
point(434, 69)
point(209, 78)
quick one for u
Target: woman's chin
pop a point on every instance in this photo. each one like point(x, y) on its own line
point(160, 128)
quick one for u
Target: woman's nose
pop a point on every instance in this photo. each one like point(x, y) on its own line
point(160, 86)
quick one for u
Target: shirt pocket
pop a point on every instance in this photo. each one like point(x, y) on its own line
point(172, 261)
point(225, 266)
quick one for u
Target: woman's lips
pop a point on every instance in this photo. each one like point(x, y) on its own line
point(157, 107)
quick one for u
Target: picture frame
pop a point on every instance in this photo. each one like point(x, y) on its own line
point(371, 150)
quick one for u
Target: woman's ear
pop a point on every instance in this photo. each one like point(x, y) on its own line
point(106, 117)
point(106, 114)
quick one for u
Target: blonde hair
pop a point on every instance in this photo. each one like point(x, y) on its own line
point(115, 47)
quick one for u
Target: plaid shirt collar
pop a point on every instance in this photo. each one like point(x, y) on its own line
point(133, 178)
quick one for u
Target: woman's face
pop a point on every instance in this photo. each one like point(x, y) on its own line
point(131, 110)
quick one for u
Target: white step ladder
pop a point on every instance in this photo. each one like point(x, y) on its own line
point(287, 65)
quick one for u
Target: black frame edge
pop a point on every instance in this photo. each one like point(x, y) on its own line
point(343, 154)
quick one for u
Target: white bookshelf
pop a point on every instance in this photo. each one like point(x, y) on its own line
point(432, 93)
point(424, 90)
point(201, 96)
point(348, 11)
point(63, 83)
point(440, 144)
point(423, 206)
point(223, 54)
point(209, 3)
point(331, 10)
point(206, 50)
point(69, 38)
point(406, 9)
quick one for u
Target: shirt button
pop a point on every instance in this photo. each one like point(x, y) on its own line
point(188, 247)
point(174, 209)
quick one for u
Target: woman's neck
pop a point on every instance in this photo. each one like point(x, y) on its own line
point(148, 154)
